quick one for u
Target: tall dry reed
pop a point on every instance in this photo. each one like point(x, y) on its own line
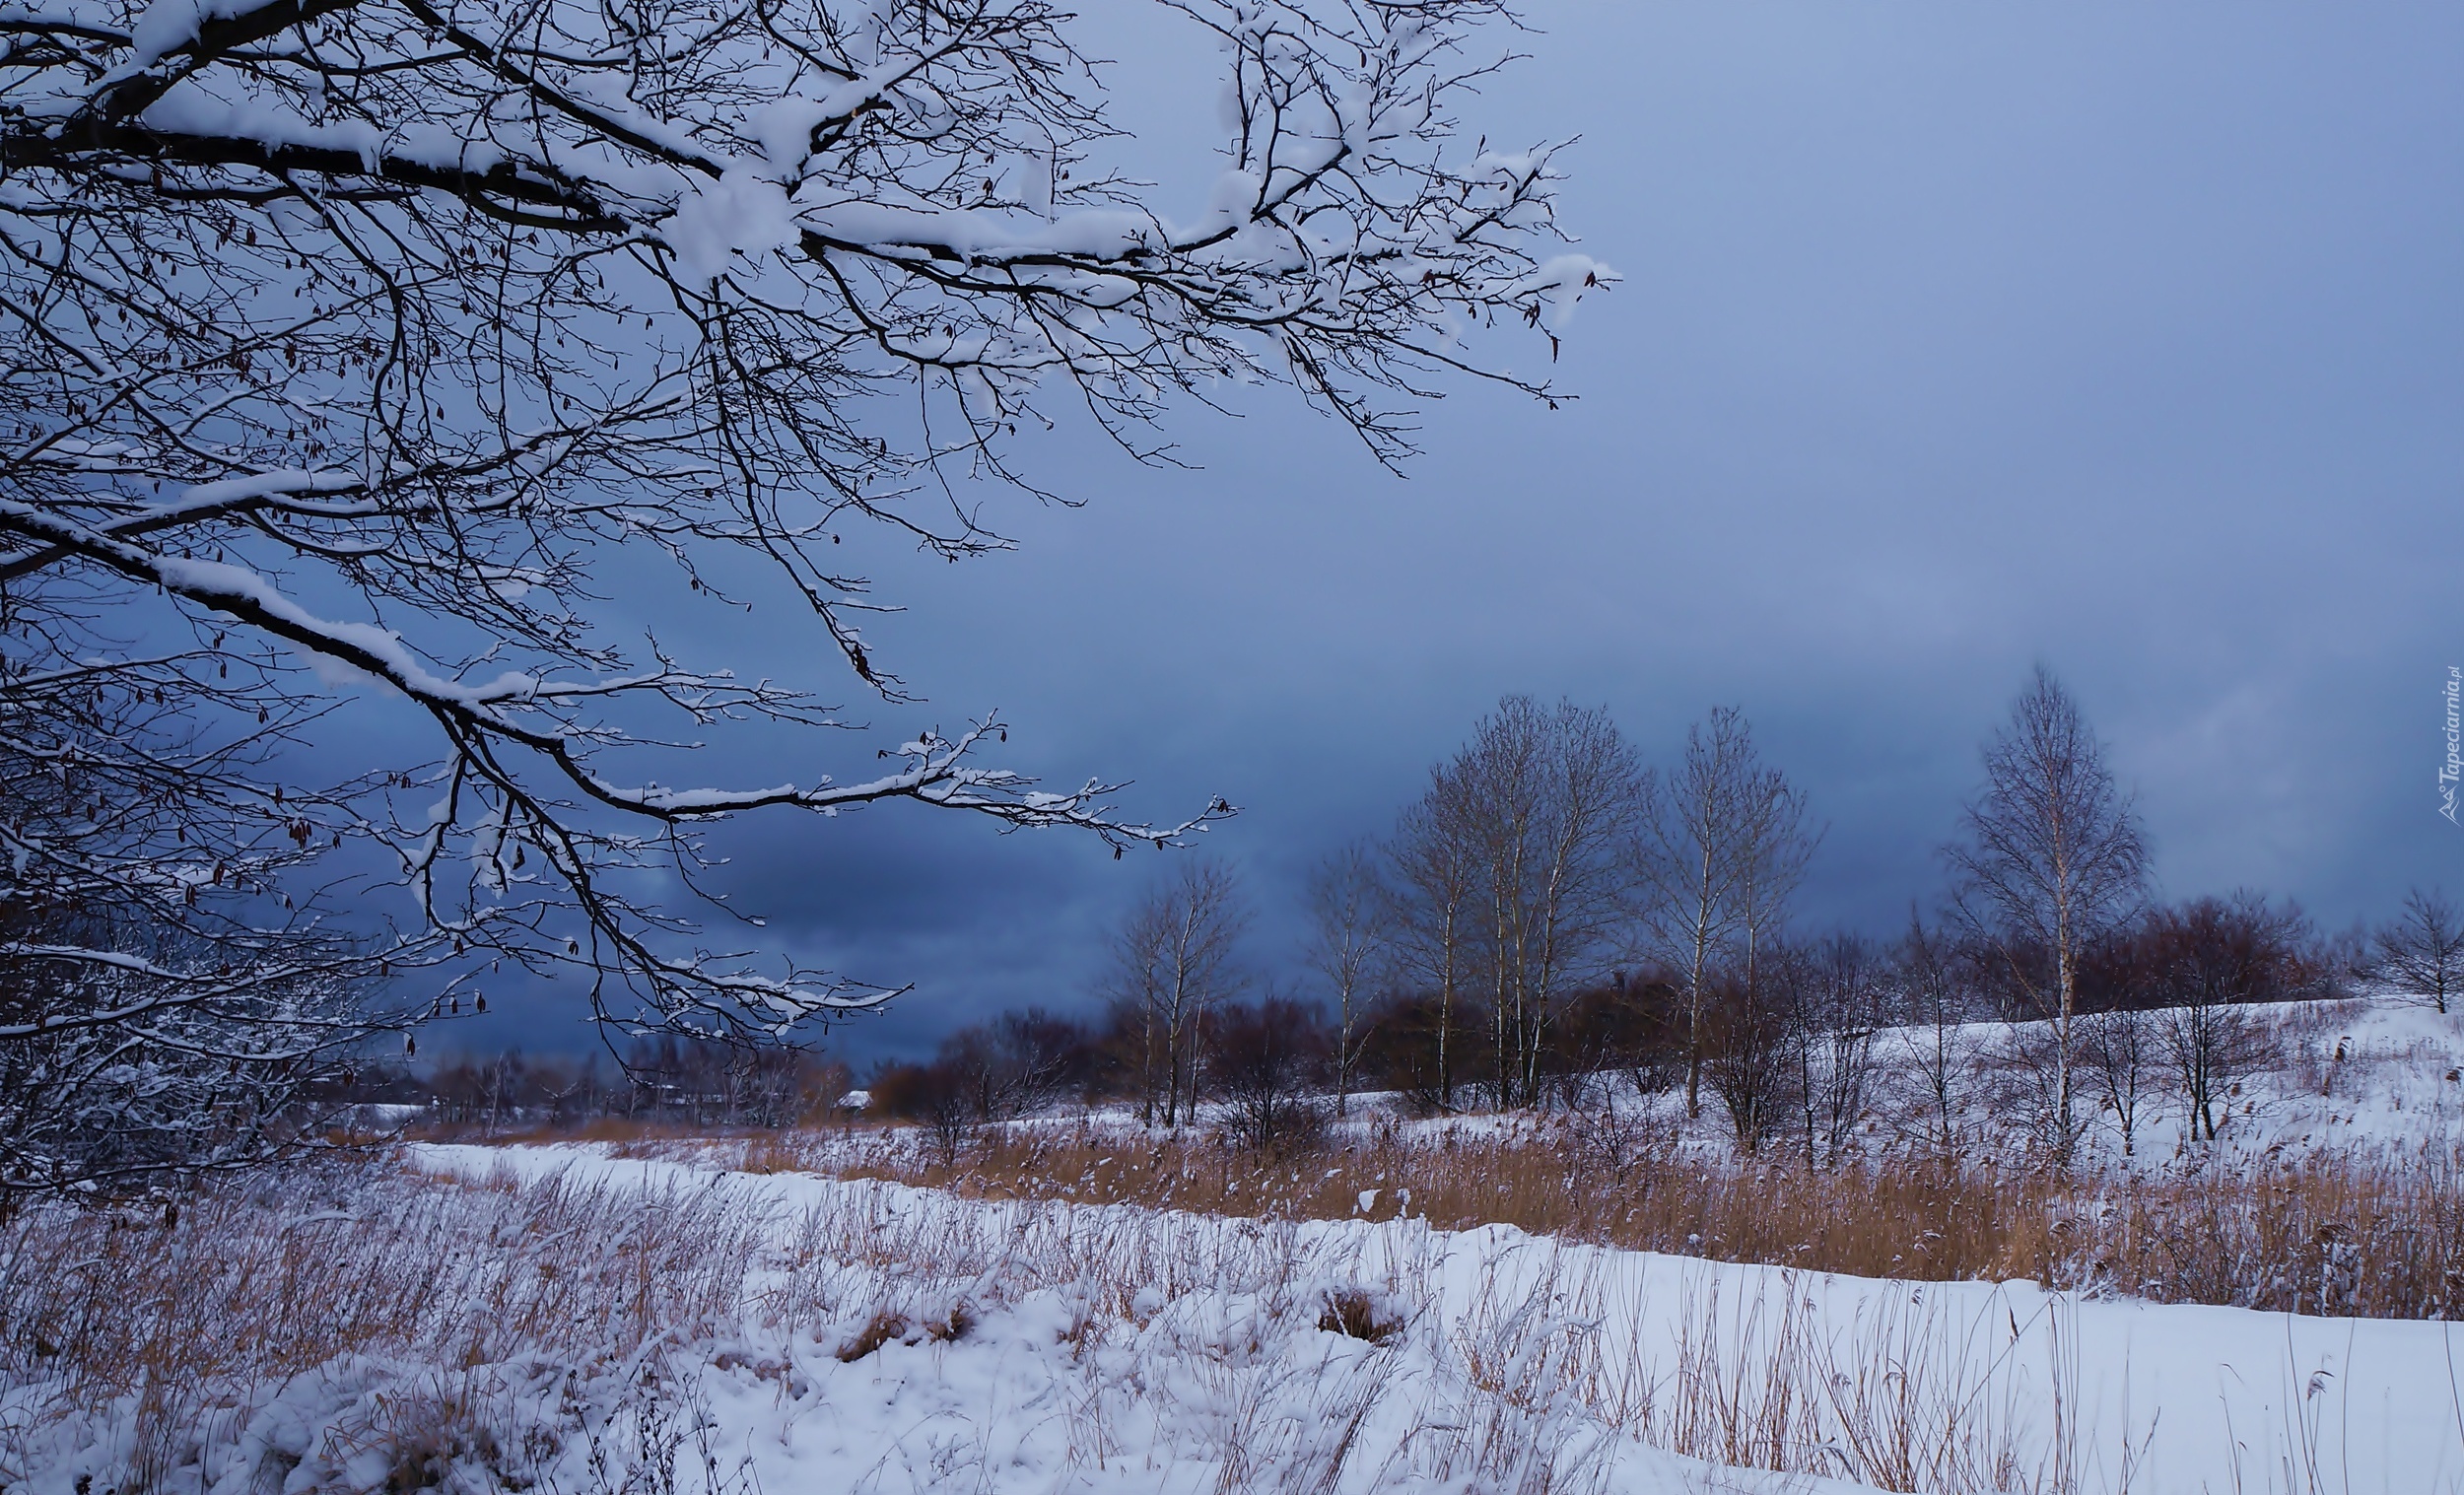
point(2290, 1235)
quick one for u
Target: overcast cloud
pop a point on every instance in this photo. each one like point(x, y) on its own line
point(1952, 338)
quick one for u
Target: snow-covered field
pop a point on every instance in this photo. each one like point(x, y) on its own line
point(2333, 1076)
point(880, 1337)
point(572, 1319)
point(2365, 1071)
point(1114, 1349)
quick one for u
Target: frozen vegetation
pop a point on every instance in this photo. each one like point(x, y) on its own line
point(722, 1313)
point(553, 1318)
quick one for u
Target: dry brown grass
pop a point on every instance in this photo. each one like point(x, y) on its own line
point(2287, 1236)
point(1355, 1313)
point(187, 1318)
point(1518, 1371)
point(453, 1279)
point(616, 1130)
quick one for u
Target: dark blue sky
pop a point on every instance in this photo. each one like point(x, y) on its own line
point(1952, 337)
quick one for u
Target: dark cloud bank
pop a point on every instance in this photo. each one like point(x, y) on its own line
point(1952, 338)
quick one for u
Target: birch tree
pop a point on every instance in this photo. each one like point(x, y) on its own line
point(1179, 959)
point(1550, 800)
point(1721, 844)
point(1349, 948)
point(2049, 861)
point(1436, 882)
point(1775, 842)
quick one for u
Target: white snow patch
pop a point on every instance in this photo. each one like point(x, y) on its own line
point(740, 213)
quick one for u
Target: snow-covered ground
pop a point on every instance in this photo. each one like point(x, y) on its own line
point(1120, 1349)
point(877, 1337)
point(2336, 1076)
point(2339, 1075)
point(896, 1339)
point(2366, 1071)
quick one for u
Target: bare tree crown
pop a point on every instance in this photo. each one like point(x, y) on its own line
point(2420, 952)
point(2052, 848)
point(1176, 960)
point(1720, 845)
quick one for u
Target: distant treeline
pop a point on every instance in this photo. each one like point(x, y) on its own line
point(667, 1079)
point(1551, 912)
point(1793, 1052)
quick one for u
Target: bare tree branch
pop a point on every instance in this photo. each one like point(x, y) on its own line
point(367, 331)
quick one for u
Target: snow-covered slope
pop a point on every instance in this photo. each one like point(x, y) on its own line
point(1114, 1349)
point(559, 1319)
point(2330, 1076)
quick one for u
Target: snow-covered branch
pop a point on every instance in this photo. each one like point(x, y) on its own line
point(363, 331)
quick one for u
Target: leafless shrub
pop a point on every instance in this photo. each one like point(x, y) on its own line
point(1265, 1066)
point(2120, 1051)
point(936, 1095)
point(1930, 1066)
point(1746, 1034)
point(1837, 992)
point(2214, 963)
point(1023, 1061)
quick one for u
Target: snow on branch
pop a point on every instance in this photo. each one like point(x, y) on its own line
point(364, 331)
